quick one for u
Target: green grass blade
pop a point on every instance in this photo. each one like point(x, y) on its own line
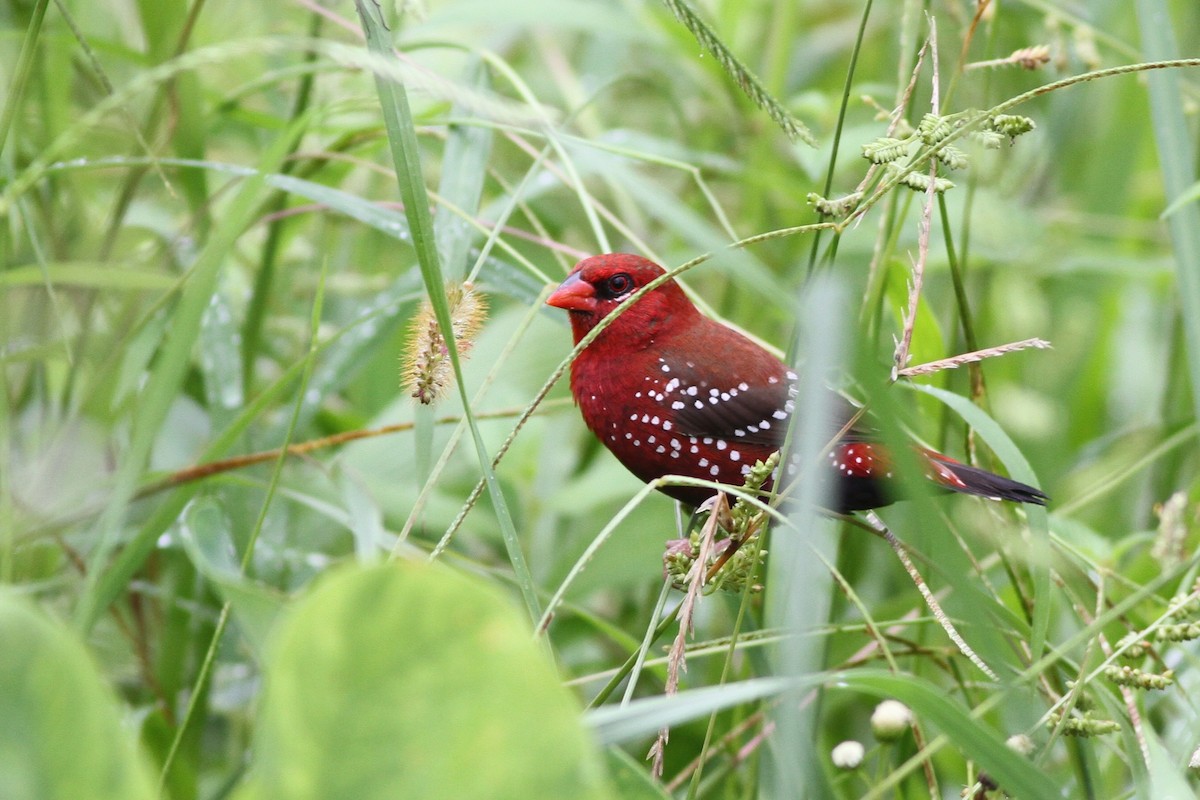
point(1039, 526)
point(402, 139)
point(1177, 161)
point(24, 66)
point(464, 166)
point(801, 587)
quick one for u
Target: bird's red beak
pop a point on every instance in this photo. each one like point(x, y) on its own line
point(574, 294)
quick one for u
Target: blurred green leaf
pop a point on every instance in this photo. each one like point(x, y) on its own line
point(61, 734)
point(96, 275)
point(409, 680)
point(631, 780)
point(209, 543)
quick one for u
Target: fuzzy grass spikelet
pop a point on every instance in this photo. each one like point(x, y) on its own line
point(838, 207)
point(1083, 726)
point(1137, 678)
point(1011, 125)
point(885, 149)
point(919, 182)
point(933, 128)
point(952, 157)
point(1183, 632)
point(1133, 646)
point(428, 371)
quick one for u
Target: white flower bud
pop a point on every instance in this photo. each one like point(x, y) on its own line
point(890, 720)
point(848, 755)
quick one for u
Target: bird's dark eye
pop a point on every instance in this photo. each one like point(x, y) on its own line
point(616, 286)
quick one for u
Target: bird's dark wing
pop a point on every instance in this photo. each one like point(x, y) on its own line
point(748, 404)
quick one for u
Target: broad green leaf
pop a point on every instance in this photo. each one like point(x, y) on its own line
point(409, 680)
point(61, 734)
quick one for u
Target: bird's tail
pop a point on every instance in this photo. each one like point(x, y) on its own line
point(959, 477)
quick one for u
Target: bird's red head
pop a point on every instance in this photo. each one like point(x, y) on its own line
point(597, 285)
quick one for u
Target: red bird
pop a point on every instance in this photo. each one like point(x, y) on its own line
point(671, 392)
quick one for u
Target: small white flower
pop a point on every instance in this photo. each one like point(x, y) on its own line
point(890, 720)
point(848, 755)
point(1020, 743)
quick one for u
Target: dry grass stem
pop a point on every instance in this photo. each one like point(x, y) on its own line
point(934, 606)
point(676, 660)
point(954, 362)
point(1029, 58)
point(918, 276)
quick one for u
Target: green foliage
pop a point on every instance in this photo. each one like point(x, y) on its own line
point(367, 696)
point(61, 733)
point(219, 220)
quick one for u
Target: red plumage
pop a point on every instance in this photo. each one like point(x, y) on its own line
point(671, 392)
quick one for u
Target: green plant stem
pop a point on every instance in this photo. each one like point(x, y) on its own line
point(632, 660)
point(256, 311)
point(960, 297)
point(837, 132)
point(23, 69)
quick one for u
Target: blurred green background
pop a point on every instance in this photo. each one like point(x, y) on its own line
point(185, 185)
